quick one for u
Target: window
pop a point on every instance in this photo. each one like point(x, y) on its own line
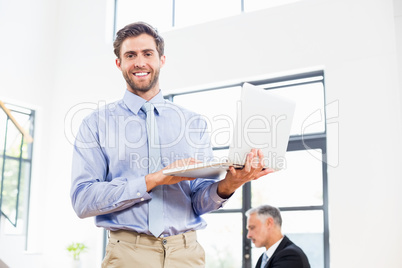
point(166, 14)
point(195, 12)
point(159, 16)
point(251, 5)
point(16, 128)
point(300, 191)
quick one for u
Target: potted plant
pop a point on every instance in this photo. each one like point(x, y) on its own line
point(75, 250)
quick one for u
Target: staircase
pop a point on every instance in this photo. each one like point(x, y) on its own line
point(3, 265)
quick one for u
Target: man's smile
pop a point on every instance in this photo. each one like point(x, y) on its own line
point(140, 74)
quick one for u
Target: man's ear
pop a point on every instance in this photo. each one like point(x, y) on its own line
point(163, 60)
point(269, 222)
point(118, 63)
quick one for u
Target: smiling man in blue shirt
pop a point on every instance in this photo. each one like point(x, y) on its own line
point(110, 178)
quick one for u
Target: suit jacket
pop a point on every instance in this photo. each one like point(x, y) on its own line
point(287, 255)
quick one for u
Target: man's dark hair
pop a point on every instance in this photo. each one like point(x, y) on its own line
point(136, 29)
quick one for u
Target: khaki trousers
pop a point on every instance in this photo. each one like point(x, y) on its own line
point(127, 249)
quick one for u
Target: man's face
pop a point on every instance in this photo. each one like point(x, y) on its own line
point(257, 231)
point(140, 64)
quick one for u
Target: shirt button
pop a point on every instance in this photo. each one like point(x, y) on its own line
point(142, 199)
point(138, 194)
point(164, 241)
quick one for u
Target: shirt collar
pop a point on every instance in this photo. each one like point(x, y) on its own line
point(135, 102)
point(272, 249)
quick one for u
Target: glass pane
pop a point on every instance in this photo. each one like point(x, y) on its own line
point(159, 16)
point(251, 5)
point(13, 140)
point(16, 174)
point(22, 119)
point(300, 184)
point(13, 134)
point(26, 150)
point(219, 108)
point(10, 189)
point(25, 121)
point(305, 229)
point(3, 125)
point(309, 115)
point(200, 11)
point(22, 203)
point(1, 173)
point(222, 240)
point(24, 189)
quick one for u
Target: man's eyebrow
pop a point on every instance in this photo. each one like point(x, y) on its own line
point(130, 52)
point(143, 51)
point(148, 50)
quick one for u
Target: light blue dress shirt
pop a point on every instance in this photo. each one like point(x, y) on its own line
point(110, 162)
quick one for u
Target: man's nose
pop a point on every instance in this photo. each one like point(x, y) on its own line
point(140, 62)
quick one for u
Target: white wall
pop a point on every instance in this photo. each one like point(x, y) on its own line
point(49, 56)
point(27, 78)
point(398, 34)
point(69, 63)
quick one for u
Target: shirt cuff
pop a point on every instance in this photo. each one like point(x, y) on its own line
point(138, 189)
point(213, 193)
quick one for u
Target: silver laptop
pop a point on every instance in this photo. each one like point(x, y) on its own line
point(263, 121)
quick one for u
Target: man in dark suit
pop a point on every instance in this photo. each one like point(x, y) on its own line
point(264, 229)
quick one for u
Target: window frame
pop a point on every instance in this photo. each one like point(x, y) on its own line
point(296, 142)
point(26, 138)
point(241, 4)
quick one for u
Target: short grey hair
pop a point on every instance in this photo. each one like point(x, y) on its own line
point(266, 211)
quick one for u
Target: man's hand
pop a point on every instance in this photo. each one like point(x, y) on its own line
point(158, 178)
point(235, 178)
